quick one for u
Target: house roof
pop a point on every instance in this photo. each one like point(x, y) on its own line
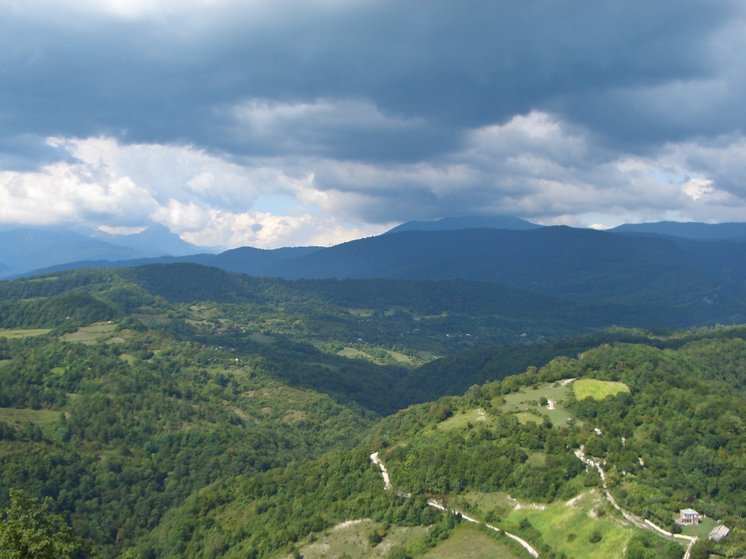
point(689, 512)
point(719, 531)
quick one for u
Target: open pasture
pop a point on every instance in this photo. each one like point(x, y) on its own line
point(525, 403)
point(13, 334)
point(597, 389)
point(468, 543)
point(351, 538)
point(91, 334)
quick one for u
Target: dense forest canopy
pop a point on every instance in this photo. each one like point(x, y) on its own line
point(186, 412)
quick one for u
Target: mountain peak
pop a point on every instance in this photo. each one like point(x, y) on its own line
point(466, 222)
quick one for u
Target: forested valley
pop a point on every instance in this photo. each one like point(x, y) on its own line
point(184, 411)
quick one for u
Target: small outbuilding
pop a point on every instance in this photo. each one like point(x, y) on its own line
point(718, 533)
point(688, 517)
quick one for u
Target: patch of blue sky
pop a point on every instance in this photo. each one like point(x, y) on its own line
point(281, 205)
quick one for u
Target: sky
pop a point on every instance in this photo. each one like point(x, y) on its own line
point(286, 123)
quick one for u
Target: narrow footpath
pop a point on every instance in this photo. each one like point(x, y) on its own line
point(387, 486)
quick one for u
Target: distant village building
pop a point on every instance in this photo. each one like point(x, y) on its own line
point(688, 517)
point(718, 533)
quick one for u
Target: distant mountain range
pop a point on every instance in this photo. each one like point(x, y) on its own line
point(467, 222)
point(25, 250)
point(688, 230)
point(701, 265)
point(155, 238)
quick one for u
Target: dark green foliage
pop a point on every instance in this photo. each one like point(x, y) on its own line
point(29, 530)
point(283, 506)
point(681, 419)
point(701, 550)
point(232, 428)
point(398, 552)
point(138, 438)
point(648, 546)
point(79, 309)
point(374, 538)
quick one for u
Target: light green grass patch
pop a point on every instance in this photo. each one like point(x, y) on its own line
point(40, 280)
point(528, 399)
point(352, 353)
point(4, 361)
point(361, 312)
point(525, 417)
point(128, 358)
point(701, 530)
point(461, 420)
point(497, 502)
point(400, 357)
point(91, 334)
point(597, 389)
point(468, 543)
point(578, 516)
point(37, 417)
point(262, 338)
point(352, 538)
point(13, 334)
point(537, 459)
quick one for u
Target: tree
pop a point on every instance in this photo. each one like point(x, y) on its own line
point(30, 531)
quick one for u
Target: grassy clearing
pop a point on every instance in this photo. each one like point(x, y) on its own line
point(91, 334)
point(37, 417)
point(468, 543)
point(597, 389)
point(4, 361)
point(568, 528)
point(352, 539)
point(12, 334)
point(399, 357)
point(498, 503)
point(462, 420)
point(701, 530)
point(262, 338)
point(528, 400)
point(352, 353)
point(361, 312)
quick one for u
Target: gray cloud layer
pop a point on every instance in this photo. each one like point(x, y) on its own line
point(402, 92)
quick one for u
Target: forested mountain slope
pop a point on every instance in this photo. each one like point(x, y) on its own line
point(184, 411)
point(505, 454)
point(580, 264)
point(682, 281)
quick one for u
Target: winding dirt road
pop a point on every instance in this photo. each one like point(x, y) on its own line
point(435, 504)
point(633, 519)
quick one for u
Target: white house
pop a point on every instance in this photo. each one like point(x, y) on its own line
point(688, 517)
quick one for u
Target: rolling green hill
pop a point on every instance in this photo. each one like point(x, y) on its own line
point(184, 411)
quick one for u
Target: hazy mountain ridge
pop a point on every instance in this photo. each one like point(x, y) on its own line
point(156, 238)
point(577, 263)
point(466, 222)
point(25, 250)
point(688, 230)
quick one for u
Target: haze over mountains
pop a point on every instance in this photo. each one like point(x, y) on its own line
point(25, 250)
point(693, 266)
point(701, 266)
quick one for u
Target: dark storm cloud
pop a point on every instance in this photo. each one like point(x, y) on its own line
point(432, 70)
